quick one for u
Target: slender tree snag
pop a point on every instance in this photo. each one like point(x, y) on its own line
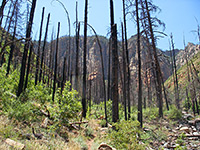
point(84, 61)
point(7, 36)
point(139, 67)
point(77, 48)
point(109, 64)
point(56, 57)
point(186, 58)
point(43, 49)
point(193, 93)
point(103, 74)
point(38, 51)
point(26, 46)
point(157, 65)
point(28, 66)
point(115, 63)
point(77, 57)
point(127, 62)
point(124, 72)
point(69, 51)
point(176, 77)
point(3, 4)
point(195, 71)
point(12, 47)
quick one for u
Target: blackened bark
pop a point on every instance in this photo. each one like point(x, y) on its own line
point(55, 69)
point(26, 46)
point(7, 32)
point(124, 72)
point(3, 4)
point(139, 68)
point(77, 49)
point(77, 57)
point(114, 87)
point(38, 51)
point(175, 73)
point(12, 47)
point(109, 64)
point(157, 65)
point(127, 62)
point(84, 61)
point(28, 66)
point(43, 49)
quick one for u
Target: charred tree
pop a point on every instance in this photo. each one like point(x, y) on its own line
point(127, 62)
point(43, 49)
point(115, 62)
point(139, 67)
point(3, 4)
point(84, 61)
point(38, 51)
point(28, 66)
point(12, 47)
point(26, 46)
point(157, 65)
point(124, 72)
point(55, 66)
point(175, 74)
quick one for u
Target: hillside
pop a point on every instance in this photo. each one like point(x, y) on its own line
point(182, 71)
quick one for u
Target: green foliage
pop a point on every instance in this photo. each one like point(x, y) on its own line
point(89, 132)
point(150, 113)
point(174, 113)
point(27, 107)
point(99, 110)
point(38, 93)
point(126, 135)
point(8, 84)
point(80, 140)
point(66, 105)
point(180, 139)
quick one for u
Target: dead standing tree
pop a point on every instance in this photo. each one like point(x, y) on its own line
point(84, 61)
point(115, 62)
point(157, 65)
point(175, 74)
point(38, 51)
point(64, 78)
point(26, 47)
point(139, 66)
point(55, 66)
point(43, 49)
point(127, 62)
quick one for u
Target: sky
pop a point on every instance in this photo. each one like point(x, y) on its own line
point(178, 15)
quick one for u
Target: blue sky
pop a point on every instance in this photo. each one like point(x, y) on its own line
point(178, 15)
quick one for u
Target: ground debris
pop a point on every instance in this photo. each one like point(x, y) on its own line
point(15, 144)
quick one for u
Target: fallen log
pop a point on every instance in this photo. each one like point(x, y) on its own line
point(15, 144)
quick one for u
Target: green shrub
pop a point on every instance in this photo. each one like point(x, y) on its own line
point(126, 135)
point(174, 113)
point(150, 113)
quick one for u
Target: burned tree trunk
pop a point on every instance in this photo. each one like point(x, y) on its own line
point(115, 62)
point(124, 72)
point(38, 51)
point(28, 66)
point(55, 67)
point(12, 47)
point(175, 73)
point(157, 65)
point(127, 62)
point(43, 49)
point(26, 46)
point(84, 61)
point(139, 68)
